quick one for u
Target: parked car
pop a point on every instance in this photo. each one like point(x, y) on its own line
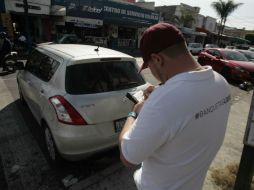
point(211, 46)
point(77, 94)
point(248, 54)
point(251, 48)
point(230, 63)
point(195, 48)
point(230, 47)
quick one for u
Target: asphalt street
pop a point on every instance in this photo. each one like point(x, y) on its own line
point(23, 165)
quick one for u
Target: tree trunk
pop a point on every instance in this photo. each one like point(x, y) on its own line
point(223, 26)
point(219, 31)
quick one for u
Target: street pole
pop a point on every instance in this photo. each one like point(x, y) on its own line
point(28, 36)
point(246, 166)
point(246, 169)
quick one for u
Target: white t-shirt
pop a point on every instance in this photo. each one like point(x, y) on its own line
point(179, 131)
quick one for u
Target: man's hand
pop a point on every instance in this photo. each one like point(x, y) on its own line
point(148, 91)
point(137, 107)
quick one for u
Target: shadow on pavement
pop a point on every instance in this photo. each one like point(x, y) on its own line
point(22, 145)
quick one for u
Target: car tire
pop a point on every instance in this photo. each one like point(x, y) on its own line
point(52, 153)
point(226, 73)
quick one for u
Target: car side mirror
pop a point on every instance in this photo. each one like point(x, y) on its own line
point(217, 57)
point(20, 65)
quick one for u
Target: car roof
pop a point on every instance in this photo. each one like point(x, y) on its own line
point(244, 50)
point(221, 49)
point(77, 51)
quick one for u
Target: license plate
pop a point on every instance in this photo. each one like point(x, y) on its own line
point(118, 124)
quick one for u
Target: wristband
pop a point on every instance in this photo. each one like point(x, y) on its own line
point(133, 114)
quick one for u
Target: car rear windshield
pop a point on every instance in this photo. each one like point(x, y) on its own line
point(96, 77)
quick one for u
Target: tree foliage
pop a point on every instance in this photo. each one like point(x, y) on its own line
point(224, 9)
point(250, 37)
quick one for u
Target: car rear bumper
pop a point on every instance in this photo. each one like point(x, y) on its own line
point(78, 142)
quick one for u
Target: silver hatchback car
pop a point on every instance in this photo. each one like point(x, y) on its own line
point(77, 94)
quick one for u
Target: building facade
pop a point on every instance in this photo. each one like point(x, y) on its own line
point(39, 17)
point(114, 23)
point(210, 24)
point(186, 18)
point(117, 24)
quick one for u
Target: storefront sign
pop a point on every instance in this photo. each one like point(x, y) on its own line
point(82, 8)
point(109, 11)
point(83, 12)
point(249, 132)
point(34, 6)
point(130, 14)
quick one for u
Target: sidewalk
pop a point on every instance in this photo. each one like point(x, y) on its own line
point(118, 177)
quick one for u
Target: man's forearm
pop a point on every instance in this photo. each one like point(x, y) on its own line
point(127, 126)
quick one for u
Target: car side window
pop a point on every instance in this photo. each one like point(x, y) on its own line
point(41, 65)
point(33, 62)
point(48, 67)
point(217, 53)
point(211, 52)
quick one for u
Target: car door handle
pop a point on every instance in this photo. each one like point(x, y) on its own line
point(28, 82)
point(42, 91)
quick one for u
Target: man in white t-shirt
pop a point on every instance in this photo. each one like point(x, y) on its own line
point(177, 131)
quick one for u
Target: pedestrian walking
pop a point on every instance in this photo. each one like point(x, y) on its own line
point(177, 130)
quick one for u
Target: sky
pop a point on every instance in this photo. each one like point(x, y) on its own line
point(240, 18)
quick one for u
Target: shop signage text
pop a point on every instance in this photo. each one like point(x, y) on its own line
point(131, 13)
point(85, 8)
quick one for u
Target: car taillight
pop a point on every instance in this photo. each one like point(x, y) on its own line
point(65, 112)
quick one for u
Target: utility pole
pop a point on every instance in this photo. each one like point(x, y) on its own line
point(28, 36)
point(246, 166)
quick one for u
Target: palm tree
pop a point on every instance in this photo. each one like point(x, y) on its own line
point(224, 9)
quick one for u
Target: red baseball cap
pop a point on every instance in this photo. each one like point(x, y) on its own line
point(157, 38)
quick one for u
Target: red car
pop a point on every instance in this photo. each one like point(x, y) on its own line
point(230, 63)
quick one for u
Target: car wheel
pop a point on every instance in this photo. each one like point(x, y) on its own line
point(226, 73)
point(53, 156)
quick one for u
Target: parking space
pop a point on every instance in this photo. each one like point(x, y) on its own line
point(22, 152)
